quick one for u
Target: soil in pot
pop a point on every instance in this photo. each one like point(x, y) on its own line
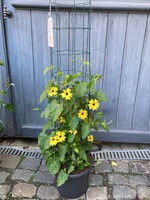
point(76, 185)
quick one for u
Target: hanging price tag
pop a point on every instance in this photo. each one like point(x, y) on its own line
point(50, 32)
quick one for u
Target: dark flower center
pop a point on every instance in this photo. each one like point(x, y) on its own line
point(52, 90)
point(93, 104)
point(67, 93)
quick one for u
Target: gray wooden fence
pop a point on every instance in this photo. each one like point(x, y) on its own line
point(120, 51)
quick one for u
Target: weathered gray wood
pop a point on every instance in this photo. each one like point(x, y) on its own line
point(130, 69)
point(113, 63)
point(41, 57)
point(2, 70)
point(98, 43)
point(104, 5)
point(122, 135)
point(24, 29)
point(15, 68)
point(7, 117)
point(119, 51)
point(142, 105)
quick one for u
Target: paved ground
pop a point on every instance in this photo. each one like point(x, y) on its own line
point(28, 178)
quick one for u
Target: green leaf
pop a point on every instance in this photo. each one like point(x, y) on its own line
point(71, 169)
point(47, 154)
point(93, 81)
point(1, 126)
point(82, 154)
point(101, 96)
point(53, 165)
point(59, 73)
point(36, 109)
point(42, 138)
point(62, 178)
point(62, 149)
point(53, 110)
point(49, 84)
point(9, 107)
point(48, 125)
point(70, 138)
point(1, 63)
point(3, 92)
point(95, 127)
point(1, 102)
point(99, 114)
point(73, 123)
point(86, 63)
point(42, 114)
point(81, 89)
point(85, 130)
point(48, 69)
point(43, 96)
point(104, 126)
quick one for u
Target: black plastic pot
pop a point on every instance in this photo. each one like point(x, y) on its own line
point(76, 185)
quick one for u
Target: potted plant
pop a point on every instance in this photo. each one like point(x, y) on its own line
point(4, 92)
point(72, 111)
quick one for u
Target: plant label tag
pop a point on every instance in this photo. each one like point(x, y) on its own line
point(50, 32)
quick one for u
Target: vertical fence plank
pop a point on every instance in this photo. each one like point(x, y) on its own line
point(113, 63)
point(15, 68)
point(119, 51)
point(2, 70)
point(98, 42)
point(131, 65)
point(142, 104)
point(26, 59)
point(41, 55)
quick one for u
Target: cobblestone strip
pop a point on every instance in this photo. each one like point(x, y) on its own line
point(109, 181)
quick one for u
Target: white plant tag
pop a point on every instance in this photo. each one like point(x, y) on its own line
point(50, 32)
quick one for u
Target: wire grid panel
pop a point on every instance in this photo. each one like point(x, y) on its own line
point(71, 36)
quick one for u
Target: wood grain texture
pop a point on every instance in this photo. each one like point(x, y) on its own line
point(113, 63)
point(119, 51)
point(2, 69)
point(123, 135)
point(98, 43)
point(104, 5)
point(141, 116)
point(11, 26)
point(24, 27)
point(41, 56)
point(131, 67)
point(6, 117)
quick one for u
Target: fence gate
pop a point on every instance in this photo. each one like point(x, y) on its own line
point(120, 51)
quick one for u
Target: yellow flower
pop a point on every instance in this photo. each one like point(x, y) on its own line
point(52, 91)
point(61, 136)
point(62, 120)
point(82, 114)
point(113, 163)
point(74, 132)
point(93, 104)
point(53, 141)
point(66, 94)
point(90, 138)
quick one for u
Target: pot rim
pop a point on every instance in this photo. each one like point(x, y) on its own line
point(82, 173)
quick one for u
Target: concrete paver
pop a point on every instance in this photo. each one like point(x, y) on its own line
point(28, 178)
point(24, 190)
